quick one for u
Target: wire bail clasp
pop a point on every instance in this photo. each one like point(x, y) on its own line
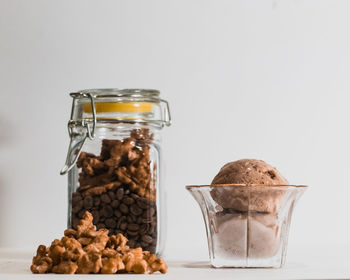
point(167, 120)
point(77, 140)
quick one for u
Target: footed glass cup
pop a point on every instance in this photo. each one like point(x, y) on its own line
point(247, 226)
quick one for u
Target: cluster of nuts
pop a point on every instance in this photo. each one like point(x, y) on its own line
point(118, 188)
point(87, 250)
point(124, 161)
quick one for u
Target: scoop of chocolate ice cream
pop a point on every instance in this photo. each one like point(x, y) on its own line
point(249, 172)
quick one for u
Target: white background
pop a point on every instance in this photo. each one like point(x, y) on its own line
point(245, 79)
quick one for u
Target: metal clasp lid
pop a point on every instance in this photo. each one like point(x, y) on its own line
point(80, 128)
point(77, 140)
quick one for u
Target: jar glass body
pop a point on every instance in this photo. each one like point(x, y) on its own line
point(117, 179)
point(114, 163)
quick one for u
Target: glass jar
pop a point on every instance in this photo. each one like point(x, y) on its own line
point(114, 163)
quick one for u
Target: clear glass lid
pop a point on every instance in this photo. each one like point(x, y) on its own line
point(92, 107)
point(121, 105)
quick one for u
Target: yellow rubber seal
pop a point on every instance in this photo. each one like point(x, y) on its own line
point(119, 107)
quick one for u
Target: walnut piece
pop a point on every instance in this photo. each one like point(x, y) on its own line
point(41, 262)
point(65, 267)
point(112, 264)
point(87, 250)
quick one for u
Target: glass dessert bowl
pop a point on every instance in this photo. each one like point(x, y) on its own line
point(247, 225)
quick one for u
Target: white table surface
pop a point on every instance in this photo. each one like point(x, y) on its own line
point(307, 263)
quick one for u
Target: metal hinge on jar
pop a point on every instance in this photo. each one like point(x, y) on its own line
point(77, 140)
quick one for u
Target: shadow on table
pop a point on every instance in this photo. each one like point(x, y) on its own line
point(206, 265)
point(199, 265)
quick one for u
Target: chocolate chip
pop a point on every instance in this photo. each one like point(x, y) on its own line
point(120, 193)
point(110, 223)
point(105, 198)
point(124, 208)
point(88, 202)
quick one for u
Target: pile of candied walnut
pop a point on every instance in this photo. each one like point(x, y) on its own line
point(118, 187)
point(87, 250)
point(120, 162)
